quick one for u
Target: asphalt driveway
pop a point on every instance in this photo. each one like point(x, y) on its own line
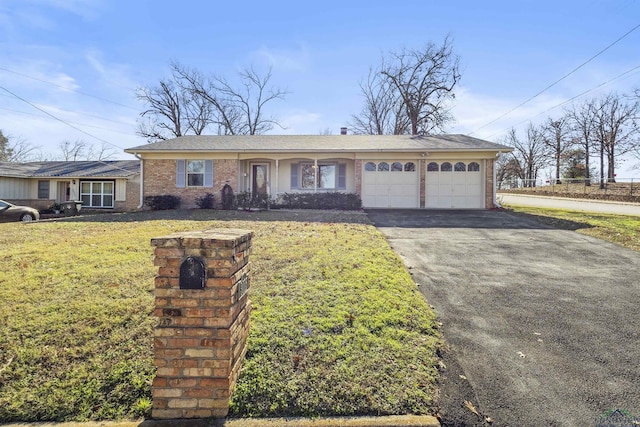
point(543, 325)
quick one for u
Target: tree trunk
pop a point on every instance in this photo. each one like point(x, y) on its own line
point(587, 174)
point(601, 165)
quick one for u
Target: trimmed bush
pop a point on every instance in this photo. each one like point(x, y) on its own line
point(328, 201)
point(161, 203)
point(228, 198)
point(208, 201)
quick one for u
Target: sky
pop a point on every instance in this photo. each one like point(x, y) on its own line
point(82, 60)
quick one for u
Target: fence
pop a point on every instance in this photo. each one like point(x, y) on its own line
point(624, 187)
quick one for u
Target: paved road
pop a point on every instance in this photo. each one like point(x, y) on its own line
point(573, 204)
point(543, 323)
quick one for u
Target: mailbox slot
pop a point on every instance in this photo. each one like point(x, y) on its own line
point(193, 273)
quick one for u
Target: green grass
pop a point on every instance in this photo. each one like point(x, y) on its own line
point(338, 326)
point(621, 229)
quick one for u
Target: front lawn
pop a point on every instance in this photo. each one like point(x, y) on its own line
point(621, 229)
point(338, 326)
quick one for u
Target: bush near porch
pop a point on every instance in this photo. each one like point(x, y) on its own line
point(338, 327)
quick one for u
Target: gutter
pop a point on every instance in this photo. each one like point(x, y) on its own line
point(495, 199)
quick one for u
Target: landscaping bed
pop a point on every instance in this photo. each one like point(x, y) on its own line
point(338, 326)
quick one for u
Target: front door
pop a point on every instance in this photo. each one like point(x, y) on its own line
point(259, 180)
point(63, 192)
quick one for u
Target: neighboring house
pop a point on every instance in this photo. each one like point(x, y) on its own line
point(106, 185)
point(387, 171)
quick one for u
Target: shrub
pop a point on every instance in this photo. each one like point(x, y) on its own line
point(332, 200)
point(161, 203)
point(206, 202)
point(228, 198)
point(243, 200)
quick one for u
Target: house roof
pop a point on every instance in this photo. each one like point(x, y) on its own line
point(82, 169)
point(320, 143)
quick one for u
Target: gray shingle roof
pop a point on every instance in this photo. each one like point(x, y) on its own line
point(319, 143)
point(82, 169)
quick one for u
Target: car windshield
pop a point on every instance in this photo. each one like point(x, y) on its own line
point(4, 204)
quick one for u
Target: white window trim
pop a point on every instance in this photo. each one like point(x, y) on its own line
point(102, 194)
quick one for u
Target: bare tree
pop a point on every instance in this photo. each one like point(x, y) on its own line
point(556, 136)
point(172, 109)
point(104, 152)
point(191, 103)
point(531, 152)
point(425, 80)
point(409, 93)
point(16, 149)
point(73, 151)
point(582, 121)
point(383, 109)
point(508, 169)
point(615, 131)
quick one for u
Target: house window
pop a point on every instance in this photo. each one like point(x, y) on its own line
point(97, 194)
point(195, 173)
point(474, 167)
point(43, 189)
point(326, 176)
point(330, 176)
point(396, 167)
point(383, 167)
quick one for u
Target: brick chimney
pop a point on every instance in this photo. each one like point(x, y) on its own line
point(343, 131)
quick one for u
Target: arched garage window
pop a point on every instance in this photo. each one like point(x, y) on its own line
point(396, 167)
point(370, 167)
point(432, 167)
point(445, 167)
point(383, 167)
point(409, 167)
point(460, 167)
point(474, 167)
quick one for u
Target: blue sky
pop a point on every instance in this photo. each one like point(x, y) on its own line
point(81, 60)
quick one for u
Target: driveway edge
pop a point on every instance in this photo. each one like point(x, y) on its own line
point(386, 421)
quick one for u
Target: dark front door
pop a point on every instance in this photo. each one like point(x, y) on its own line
point(259, 184)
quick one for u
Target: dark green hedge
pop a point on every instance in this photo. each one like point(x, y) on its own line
point(332, 200)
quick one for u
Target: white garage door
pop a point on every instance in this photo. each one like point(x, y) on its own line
point(454, 185)
point(390, 184)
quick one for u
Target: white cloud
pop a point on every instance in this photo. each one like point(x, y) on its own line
point(285, 59)
point(299, 122)
point(87, 9)
point(477, 113)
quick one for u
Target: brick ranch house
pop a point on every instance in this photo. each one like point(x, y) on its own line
point(387, 171)
point(110, 186)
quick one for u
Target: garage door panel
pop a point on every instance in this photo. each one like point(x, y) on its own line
point(388, 188)
point(460, 188)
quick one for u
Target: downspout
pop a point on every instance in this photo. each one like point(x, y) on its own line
point(141, 181)
point(495, 199)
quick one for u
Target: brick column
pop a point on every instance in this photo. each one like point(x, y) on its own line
point(203, 310)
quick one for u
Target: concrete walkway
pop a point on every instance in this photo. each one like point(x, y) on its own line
point(543, 324)
point(601, 206)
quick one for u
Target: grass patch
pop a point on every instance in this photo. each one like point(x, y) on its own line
point(621, 229)
point(338, 326)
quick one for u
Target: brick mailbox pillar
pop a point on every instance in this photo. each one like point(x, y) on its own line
point(203, 310)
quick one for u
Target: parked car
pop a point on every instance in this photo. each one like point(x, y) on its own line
point(10, 212)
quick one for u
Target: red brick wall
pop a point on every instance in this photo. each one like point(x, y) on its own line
point(160, 179)
point(200, 339)
point(488, 194)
